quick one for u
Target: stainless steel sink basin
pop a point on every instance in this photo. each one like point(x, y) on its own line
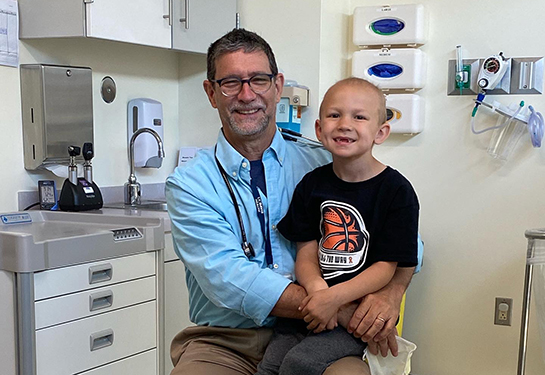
point(150, 205)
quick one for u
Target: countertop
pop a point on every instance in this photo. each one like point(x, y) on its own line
point(136, 212)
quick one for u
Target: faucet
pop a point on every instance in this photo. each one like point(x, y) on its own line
point(132, 187)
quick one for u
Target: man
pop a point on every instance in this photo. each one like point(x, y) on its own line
point(239, 269)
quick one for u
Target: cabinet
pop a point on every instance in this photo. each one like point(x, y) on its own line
point(176, 300)
point(185, 25)
point(132, 21)
point(91, 318)
point(198, 23)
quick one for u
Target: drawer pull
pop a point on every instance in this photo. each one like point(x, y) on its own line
point(101, 300)
point(100, 273)
point(102, 339)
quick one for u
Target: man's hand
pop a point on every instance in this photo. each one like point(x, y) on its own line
point(375, 318)
point(383, 345)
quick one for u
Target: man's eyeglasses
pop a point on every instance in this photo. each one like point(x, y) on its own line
point(259, 84)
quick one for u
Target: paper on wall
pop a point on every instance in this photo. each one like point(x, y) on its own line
point(9, 33)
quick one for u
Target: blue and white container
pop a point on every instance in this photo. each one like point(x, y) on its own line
point(396, 25)
point(402, 68)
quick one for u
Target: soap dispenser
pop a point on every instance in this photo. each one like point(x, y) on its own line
point(80, 193)
point(145, 113)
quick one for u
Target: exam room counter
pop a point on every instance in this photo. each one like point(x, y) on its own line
point(171, 314)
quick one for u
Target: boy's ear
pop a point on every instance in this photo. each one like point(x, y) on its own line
point(383, 133)
point(318, 129)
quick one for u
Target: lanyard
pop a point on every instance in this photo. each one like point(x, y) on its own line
point(261, 217)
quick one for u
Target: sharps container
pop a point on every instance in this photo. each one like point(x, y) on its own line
point(535, 274)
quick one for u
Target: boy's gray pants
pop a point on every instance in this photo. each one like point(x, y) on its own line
point(294, 351)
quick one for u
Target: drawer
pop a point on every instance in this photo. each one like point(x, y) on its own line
point(170, 254)
point(87, 343)
point(74, 306)
point(71, 279)
point(140, 364)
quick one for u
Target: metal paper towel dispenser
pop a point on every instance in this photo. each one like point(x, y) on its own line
point(57, 106)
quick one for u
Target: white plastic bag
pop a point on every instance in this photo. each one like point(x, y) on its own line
point(390, 365)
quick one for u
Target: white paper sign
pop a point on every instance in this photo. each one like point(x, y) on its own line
point(9, 33)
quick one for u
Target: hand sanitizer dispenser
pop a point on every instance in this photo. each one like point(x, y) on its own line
point(145, 113)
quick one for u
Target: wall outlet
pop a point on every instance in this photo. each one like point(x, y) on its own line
point(503, 311)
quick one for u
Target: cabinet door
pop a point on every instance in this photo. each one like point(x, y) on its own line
point(198, 23)
point(132, 21)
point(176, 306)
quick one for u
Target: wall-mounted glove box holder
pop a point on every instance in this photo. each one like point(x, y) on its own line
point(405, 113)
point(391, 69)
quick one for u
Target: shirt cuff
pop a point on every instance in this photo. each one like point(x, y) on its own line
point(263, 295)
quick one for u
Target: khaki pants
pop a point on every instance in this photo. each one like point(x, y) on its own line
point(228, 351)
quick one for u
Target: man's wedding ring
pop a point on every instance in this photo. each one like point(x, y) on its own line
point(381, 319)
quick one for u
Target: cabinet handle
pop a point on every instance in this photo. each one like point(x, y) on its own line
point(101, 300)
point(100, 273)
point(186, 19)
point(167, 16)
point(102, 339)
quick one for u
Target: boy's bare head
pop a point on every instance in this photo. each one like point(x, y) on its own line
point(369, 88)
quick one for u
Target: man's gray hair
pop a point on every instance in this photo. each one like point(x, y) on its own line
point(237, 40)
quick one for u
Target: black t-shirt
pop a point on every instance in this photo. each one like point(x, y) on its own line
point(355, 223)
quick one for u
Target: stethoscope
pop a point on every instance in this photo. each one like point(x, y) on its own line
point(247, 247)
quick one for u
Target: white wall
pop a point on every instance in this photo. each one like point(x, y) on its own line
point(474, 210)
point(292, 28)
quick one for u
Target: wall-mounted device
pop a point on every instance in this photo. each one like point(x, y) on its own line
point(80, 193)
point(521, 75)
point(145, 113)
point(391, 69)
point(289, 109)
point(396, 25)
point(405, 113)
point(492, 71)
point(57, 111)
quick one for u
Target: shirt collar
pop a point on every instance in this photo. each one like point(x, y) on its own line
point(231, 160)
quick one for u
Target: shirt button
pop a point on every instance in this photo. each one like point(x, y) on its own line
point(234, 174)
point(281, 160)
point(274, 227)
point(275, 265)
point(244, 165)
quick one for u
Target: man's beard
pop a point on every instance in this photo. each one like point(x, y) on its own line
point(252, 128)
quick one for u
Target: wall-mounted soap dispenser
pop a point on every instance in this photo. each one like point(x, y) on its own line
point(145, 113)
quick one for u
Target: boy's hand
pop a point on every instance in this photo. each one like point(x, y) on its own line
point(332, 324)
point(319, 308)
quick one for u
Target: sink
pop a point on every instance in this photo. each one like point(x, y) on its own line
point(151, 205)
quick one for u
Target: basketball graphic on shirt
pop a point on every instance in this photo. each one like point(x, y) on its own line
point(344, 242)
point(340, 230)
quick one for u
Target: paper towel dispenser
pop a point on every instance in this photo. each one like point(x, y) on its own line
point(57, 111)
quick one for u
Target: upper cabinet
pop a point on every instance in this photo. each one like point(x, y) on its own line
point(185, 25)
point(197, 23)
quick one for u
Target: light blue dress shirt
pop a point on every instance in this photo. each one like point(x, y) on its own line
point(225, 287)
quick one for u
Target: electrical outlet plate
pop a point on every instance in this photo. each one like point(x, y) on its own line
point(503, 311)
